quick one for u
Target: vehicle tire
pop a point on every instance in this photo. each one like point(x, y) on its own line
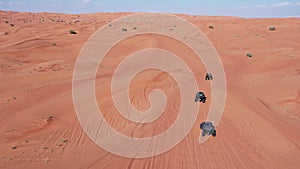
point(214, 133)
point(201, 126)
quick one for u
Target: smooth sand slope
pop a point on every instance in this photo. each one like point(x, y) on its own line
point(39, 127)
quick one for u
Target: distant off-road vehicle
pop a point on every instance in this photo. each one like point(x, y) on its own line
point(208, 76)
point(272, 28)
point(208, 129)
point(200, 97)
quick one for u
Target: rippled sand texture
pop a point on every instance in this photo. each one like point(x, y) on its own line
point(39, 127)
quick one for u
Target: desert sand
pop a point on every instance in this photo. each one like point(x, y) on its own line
point(39, 127)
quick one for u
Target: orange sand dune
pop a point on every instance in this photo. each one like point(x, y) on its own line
point(39, 127)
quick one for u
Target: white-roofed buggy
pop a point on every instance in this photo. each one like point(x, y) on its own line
point(200, 97)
